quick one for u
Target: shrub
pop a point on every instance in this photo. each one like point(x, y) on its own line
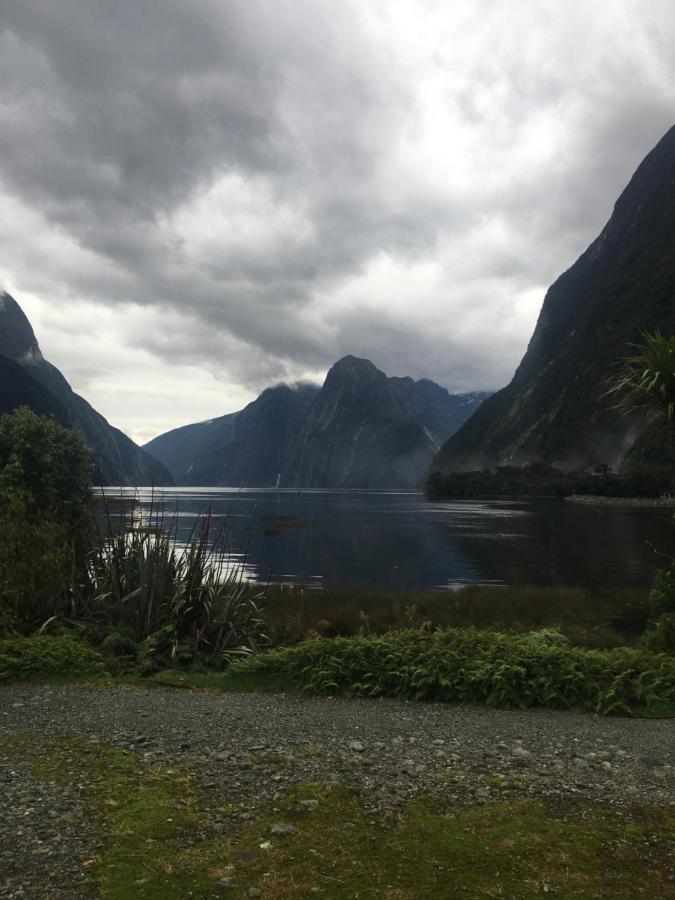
point(24, 658)
point(660, 635)
point(182, 604)
point(470, 666)
point(117, 644)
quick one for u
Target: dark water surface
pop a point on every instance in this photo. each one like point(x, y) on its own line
point(402, 541)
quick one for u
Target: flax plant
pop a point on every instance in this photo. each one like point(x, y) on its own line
point(183, 602)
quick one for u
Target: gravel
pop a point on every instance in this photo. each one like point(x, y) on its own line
point(254, 747)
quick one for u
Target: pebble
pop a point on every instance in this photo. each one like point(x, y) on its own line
point(519, 752)
point(282, 829)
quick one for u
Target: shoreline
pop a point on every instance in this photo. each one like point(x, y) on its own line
point(599, 500)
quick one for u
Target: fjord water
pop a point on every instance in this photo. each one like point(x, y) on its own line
point(402, 541)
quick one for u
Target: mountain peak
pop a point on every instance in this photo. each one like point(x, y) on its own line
point(353, 365)
point(17, 338)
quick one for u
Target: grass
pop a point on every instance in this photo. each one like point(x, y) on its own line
point(148, 820)
point(606, 619)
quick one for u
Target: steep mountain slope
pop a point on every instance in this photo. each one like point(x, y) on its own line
point(117, 460)
point(243, 449)
point(17, 388)
point(369, 431)
point(194, 453)
point(361, 429)
point(553, 410)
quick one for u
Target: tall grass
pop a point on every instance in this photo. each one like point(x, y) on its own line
point(183, 602)
point(612, 618)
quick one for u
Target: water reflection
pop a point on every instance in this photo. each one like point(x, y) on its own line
point(399, 540)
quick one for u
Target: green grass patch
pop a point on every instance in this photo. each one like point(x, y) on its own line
point(471, 666)
point(157, 843)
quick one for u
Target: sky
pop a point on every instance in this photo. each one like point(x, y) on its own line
point(201, 198)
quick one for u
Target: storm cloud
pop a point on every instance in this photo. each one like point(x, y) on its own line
point(201, 198)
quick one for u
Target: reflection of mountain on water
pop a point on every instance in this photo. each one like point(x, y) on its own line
point(400, 541)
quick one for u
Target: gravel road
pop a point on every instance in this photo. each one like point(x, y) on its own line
point(255, 746)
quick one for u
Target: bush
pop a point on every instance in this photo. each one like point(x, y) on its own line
point(117, 644)
point(181, 604)
point(24, 658)
point(660, 633)
point(470, 666)
point(660, 636)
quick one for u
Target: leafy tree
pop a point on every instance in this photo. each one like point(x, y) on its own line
point(44, 511)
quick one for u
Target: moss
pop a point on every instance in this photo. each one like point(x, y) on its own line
point(153, 824)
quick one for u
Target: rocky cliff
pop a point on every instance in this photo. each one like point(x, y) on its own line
point(553, 410)
point(28, 379)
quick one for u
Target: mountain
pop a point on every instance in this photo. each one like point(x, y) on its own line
point(553, 411)
point(369, 431)
point(18, 388)
point(249, 448)
point(28, 379)
point(361, 429)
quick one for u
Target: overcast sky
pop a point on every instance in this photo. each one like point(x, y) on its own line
point(200, 198)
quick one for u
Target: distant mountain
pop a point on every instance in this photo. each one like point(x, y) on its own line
point(553, 410)
point(369, 431)
point(26, 378)
point(361, 429)
point(242, 449)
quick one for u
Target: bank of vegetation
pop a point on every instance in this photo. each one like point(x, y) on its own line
point(540, 480)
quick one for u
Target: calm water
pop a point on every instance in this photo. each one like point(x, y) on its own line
point(403, 541)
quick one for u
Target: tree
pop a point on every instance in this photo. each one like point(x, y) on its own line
point(45, 498)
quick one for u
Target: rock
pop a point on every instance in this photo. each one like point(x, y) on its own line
point(606, 765)
point(579, 762)
point(519, 752)
point(659, 772)
point(356, 747)
point(227, 881)
point(282, 829)
point(254, 892)
point(310, 804)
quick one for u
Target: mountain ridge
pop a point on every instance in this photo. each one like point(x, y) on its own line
point(359, 429)
point(553, 410)
point(117, 459)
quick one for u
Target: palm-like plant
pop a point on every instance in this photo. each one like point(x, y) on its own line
point(645, 381)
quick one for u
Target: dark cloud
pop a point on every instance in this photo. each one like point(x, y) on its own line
point(279, 182)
